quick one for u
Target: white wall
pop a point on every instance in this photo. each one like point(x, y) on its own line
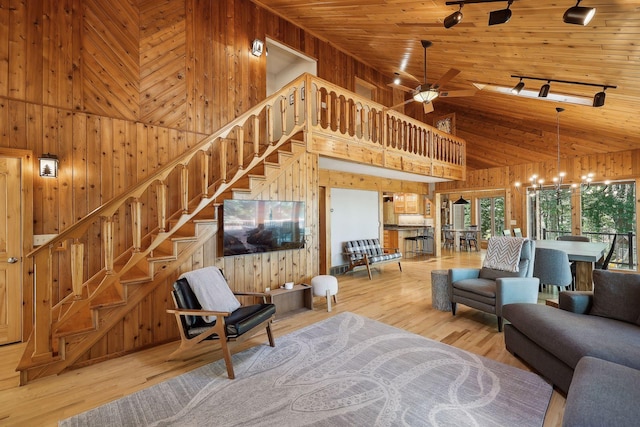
point(285, 64)
point(354, 215)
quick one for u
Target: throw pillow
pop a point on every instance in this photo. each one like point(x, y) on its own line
point(616, 296)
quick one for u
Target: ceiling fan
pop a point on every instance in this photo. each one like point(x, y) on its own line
point(426, 93)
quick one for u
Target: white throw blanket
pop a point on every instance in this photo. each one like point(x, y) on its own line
point(212, 290)
point(503, 253)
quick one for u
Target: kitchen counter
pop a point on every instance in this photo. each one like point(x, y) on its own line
point(396, 227)
point(394, 237)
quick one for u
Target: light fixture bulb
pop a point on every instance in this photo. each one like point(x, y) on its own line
point(453, 19)
point(598, 98)
point(501, 16)
point(579, 15)
point(396, 78)
point(517, 88)
point(544, 90)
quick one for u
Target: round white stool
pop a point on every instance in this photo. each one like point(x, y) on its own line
point(325, 286)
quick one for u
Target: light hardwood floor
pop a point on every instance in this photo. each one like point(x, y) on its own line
point(401, 299)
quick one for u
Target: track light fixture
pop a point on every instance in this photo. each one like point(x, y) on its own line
point(579, 15)
point(454, 18)
point(598, 99)
point(544, 90)
point(501, 16)
point(396, 78)
point(517, 88)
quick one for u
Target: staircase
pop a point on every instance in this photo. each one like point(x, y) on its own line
point(172, 212)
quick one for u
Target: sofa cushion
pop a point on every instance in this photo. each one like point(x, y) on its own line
point(484, 287)
point(570, 336)
point(492, 274)
point(602, 394)
point(616, 296)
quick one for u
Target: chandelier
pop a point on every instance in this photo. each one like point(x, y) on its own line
point(537, 182)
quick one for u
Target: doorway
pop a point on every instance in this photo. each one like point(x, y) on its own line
point(13, 242)
point(285, 64)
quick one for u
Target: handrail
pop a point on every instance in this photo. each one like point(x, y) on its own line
point(308, 104)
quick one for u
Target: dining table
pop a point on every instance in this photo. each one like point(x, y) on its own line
point(583, 254)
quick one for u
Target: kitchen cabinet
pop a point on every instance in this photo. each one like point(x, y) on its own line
point(405, 203)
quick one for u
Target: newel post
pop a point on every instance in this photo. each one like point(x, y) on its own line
point(77, 269)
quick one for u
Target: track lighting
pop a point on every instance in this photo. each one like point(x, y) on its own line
point(396, 78)
point(544, 90)
point(501, 16)
point(517, 88)
point(454, 18)
point(598, 99)
point(579, 15)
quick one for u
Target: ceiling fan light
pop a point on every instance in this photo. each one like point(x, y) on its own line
point(579, 15)
point(453, 19)
point(544, 90)
point(425, 95)
point(598, 99)
point(501, 16)
point(517, 88)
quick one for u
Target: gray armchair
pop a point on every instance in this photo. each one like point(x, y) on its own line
point(489, 290)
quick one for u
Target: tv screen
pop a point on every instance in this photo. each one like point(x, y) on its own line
point(254, 226)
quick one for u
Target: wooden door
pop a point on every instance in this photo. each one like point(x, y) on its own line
point(10, 253)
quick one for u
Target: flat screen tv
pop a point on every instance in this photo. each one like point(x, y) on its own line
point(254, 226)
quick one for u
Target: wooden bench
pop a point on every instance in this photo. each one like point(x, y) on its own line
point(365, 253)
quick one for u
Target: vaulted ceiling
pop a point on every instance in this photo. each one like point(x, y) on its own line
point(500, 129)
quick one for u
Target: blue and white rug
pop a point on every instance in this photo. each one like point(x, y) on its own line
point(343, 371)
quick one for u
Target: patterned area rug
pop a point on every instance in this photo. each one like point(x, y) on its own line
point(345, 370)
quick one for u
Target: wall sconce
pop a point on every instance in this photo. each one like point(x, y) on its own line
point(257, 47)
point(48, 166)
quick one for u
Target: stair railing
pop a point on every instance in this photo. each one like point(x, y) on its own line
point(194, 180)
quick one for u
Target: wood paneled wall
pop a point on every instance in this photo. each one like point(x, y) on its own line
point(116, 89)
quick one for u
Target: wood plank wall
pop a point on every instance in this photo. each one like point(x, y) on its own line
point(624, 165)
point(116, 89)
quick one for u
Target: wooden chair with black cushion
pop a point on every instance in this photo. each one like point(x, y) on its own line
point(230, 327)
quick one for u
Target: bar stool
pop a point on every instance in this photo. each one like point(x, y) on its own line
point(413, 241)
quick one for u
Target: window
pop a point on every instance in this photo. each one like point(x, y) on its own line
point(549, 212)
point(609, 210)
point(491, 216)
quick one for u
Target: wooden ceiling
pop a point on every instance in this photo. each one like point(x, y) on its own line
point(500, 129)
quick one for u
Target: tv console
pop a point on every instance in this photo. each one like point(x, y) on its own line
point(291, 301)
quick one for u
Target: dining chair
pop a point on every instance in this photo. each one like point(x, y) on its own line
point(470, 238)
point(553, 268)
point(449, 239)
point(506, 232)
point(604, 265)
point(517, 232)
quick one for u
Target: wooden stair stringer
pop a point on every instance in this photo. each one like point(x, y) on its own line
point(272, 171)
point(105, 324)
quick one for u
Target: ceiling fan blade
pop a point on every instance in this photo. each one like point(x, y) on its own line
point(456, 93)
point(445, 78)
point(401, 87)
point(401, 104)
point(428, 107)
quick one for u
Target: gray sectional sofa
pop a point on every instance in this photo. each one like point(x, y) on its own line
point(603, 325)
